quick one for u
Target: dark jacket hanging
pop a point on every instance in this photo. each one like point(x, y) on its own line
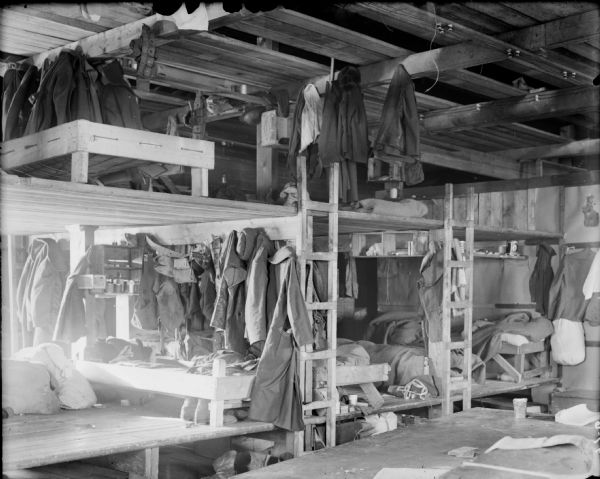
point(329, 144)
point(352, 117)
point(67, 92)
point(228, 314)
point(16, 104)
point(276, 395)
point(541, 278)
point(398, 133)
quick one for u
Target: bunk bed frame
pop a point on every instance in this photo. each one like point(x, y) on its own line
point(37, 206)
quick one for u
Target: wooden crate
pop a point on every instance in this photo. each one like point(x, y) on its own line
point(86, 142)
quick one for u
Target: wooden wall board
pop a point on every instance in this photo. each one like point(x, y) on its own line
point(37, 440)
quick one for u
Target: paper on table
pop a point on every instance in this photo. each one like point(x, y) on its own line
point(409, 473)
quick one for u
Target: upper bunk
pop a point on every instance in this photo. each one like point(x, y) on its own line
point(78, 150)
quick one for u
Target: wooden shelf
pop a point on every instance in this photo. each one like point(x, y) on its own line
point(500, 256)
point(396, 256)
point(490, 388)
point(113, 295)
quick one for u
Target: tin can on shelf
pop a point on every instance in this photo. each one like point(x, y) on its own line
point(512, 248)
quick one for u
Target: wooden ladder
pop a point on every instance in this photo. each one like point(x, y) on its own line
point(440, 348)
point(307, 209)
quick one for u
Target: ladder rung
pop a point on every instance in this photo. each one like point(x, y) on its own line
point(314, 355)
point(318, 405)
point(321, 305)
point(460, 264)
point(459, 304)
point(321, 256)
point(456, 345)
point(320, 206)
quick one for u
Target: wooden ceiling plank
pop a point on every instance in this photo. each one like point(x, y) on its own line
point(528, 107)
point(243, 73)
point(231, 46)
point(68, 14)
point(509, 17)
point(310, 42)
point(19, 37)
point(573, 148)
point(586, 51)
point(342, 34)
point(465, 15)
point(549, 10)
point(557, 33)
point(19, 19)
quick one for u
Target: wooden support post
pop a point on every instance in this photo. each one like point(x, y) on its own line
point(80, 239)
point(266, 159)
point(79, 166)
point(217, 407)
point(199, 181)
point(122, 316)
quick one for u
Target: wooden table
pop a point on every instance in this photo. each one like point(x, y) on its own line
point(36, 440)
point(416, 446)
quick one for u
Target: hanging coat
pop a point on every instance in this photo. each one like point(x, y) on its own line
point(145, 313)
point(352, 117)
point(228, 315)
point(276, 396)
point(398, 133)
point(40, 289)
point(566, 299)
point(541, 278)
point(329, 147)
point(255, 247)
point(70, 324)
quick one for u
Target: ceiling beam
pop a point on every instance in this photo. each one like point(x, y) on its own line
point(421, 23)
point(527, 107)
point(557, 33)
point(574, 148)
point(420, 64)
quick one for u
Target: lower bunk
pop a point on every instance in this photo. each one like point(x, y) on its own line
point(222, 390)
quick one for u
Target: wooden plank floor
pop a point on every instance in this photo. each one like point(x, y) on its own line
point(416, 446)
point(36, 440)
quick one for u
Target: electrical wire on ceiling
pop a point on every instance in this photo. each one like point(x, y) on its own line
point(437, 75)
